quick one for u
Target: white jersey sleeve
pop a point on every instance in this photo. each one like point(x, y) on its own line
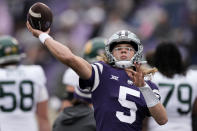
point(70, 77)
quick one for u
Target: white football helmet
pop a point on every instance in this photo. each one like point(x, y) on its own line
point(126, 37)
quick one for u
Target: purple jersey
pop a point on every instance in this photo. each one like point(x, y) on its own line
point(119, 105)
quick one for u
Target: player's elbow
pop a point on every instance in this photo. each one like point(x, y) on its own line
point(162, 121)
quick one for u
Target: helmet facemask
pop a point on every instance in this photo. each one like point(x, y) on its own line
point(121, 37)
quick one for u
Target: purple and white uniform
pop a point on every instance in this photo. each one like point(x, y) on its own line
point(119, 105)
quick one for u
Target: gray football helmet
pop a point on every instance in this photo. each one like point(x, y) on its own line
point(126, 37)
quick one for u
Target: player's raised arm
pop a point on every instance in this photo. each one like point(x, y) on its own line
point(63, 53)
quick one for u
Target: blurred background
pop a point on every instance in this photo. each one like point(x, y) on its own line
point(76, 21)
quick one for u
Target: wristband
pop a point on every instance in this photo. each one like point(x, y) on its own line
point(43, 37)
point(149, 96)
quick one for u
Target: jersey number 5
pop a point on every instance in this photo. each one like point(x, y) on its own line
point(124, 91)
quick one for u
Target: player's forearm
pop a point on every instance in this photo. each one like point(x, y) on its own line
point(60, 51)
point(158, 112)
point(42, 116)
point(64, 54)
point(44, 125)
point(155, 107)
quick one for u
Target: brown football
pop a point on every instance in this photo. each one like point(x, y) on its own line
point(40, 16)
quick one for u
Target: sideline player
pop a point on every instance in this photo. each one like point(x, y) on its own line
point(178, 89)
point(23, 94)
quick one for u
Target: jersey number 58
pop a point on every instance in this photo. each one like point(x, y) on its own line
point(12, 95)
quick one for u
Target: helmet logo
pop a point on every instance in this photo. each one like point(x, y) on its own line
point(8, 50)
point(14, 49)
point(88, 48)
point(123, 33)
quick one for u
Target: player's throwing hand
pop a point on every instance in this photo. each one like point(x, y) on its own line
point(35, 32)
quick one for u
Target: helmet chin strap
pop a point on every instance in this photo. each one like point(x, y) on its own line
point(123, 64)
point(127, 63)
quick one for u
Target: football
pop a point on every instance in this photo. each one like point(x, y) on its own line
point(40, 16)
